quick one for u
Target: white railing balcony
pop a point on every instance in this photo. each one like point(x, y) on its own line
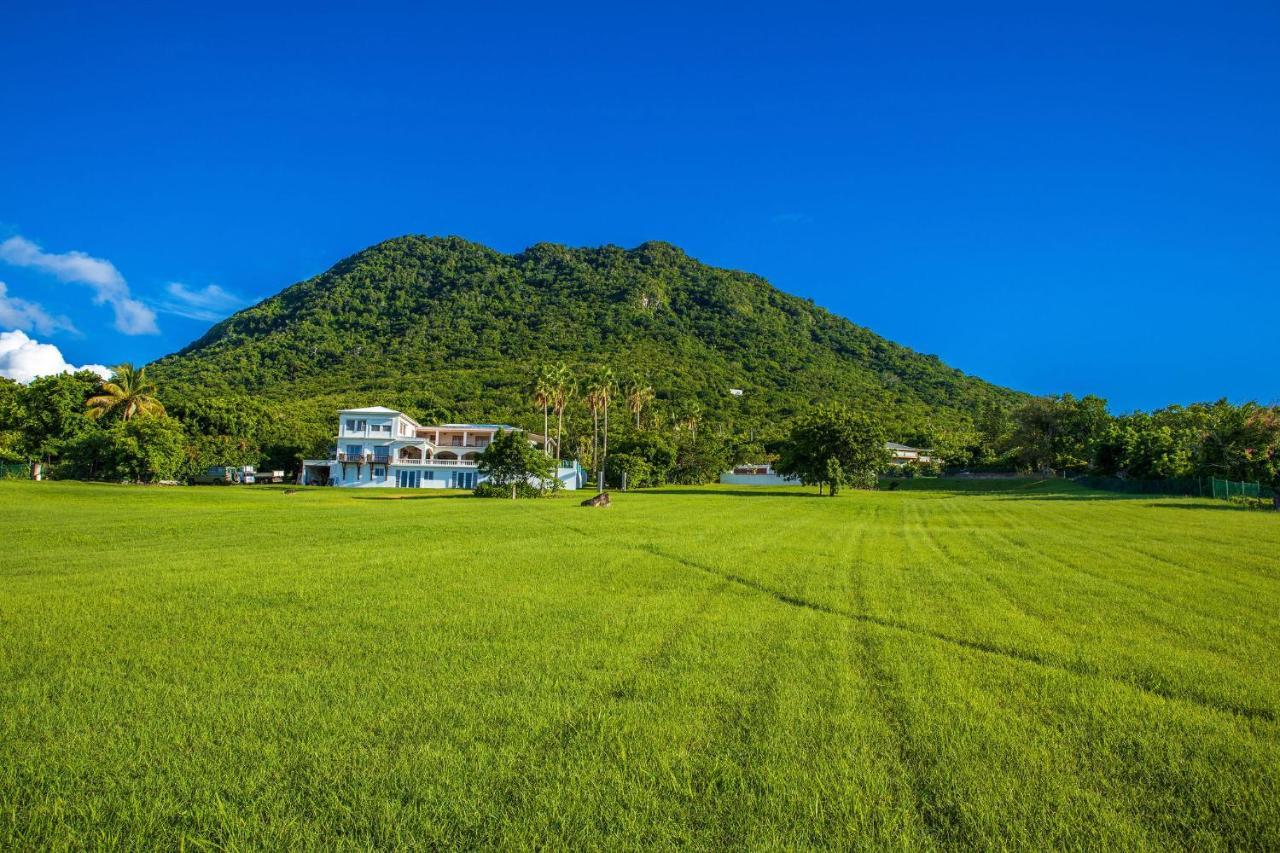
point(447, 463)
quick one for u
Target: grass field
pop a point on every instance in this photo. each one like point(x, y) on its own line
point(1015, 665)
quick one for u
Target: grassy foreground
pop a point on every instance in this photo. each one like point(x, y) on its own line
point(1021, 665)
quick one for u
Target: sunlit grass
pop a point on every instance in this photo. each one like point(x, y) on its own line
point(1019, 664)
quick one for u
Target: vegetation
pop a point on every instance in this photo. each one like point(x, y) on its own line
point(834, 447)
point(1071, 435)
point(510, 460)
point(127, 393)
point(444, 328)
point(994, 666)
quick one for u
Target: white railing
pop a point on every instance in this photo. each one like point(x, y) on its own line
point(448, 463)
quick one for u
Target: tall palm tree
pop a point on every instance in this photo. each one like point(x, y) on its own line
point(690, 413)
point(599, 395)
point(639, 395)
point(543, 391)
point(128, 392)
point(563, 388)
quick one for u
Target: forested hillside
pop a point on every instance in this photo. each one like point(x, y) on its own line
point(443, 327)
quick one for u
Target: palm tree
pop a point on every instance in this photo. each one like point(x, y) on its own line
point(562, 390)
point(639, 395)
point(690, 412)
point(543, 391)
point(128, 392)
point(599, 394)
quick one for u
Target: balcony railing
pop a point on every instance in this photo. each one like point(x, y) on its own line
point(366, 456)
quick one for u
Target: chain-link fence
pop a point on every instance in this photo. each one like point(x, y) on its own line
point(1195, 487)
point(1232, 489)
point(15, 471)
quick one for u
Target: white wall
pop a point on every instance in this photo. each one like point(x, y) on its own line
point(729, 478)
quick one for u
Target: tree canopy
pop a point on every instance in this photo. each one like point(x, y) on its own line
point(834, 446)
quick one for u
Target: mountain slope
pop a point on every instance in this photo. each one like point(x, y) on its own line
point(443, 326)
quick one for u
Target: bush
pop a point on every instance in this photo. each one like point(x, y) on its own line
point(639, 473)
point(523, 490)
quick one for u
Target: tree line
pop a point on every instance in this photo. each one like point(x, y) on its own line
point(79, 426)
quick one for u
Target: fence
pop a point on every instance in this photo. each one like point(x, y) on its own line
point(15, 471)
point(1196, 487)
point(1231, 489)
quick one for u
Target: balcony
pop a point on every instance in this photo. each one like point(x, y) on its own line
point(426, 463)
point(366, 456)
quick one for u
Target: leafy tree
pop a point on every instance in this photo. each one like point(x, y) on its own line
point(129, 392)
point(635, 471)
point(49, 412)
point(1057, 432)
point(833, 446)
point(699, 459)
point(149, 449)
point(140, 450)
point(510, 460)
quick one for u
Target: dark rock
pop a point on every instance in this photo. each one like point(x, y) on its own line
point(601, 499)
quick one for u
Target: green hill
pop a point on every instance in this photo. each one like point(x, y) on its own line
point(446, 327)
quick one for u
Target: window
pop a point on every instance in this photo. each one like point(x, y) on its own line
point(353, 451)
point(379, 471)
point(429, 475)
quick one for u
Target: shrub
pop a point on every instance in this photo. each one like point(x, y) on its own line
point(523, 490)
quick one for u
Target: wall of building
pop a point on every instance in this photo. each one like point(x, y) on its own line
point(729, 478)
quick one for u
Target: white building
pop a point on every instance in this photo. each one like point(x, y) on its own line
point(756, 475)
point(380, 447)
point(901, 454)
point(764, 475)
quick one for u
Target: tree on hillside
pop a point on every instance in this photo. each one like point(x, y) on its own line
point(543, 391)
point(689, 413)
point(834, 447)
point(639, 394)
point(563, 388)
point(128, 393)
point(510, 460)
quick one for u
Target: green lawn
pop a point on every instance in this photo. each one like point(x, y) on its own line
point(1025, 665)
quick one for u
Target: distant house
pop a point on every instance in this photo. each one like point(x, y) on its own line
point(378, 446)
point(756, 475)
point(902, 454)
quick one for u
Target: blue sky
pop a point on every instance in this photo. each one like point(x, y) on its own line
point(1064, 198)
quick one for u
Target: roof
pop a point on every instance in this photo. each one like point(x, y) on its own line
point(893, 445)
point(475, 426)
point(370, 410)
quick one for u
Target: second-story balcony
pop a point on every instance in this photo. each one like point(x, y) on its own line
point(380, 456)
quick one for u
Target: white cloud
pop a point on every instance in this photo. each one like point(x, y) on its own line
point(132, 317)
point(209, 303)
point(23, 359)
point(21, 314)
